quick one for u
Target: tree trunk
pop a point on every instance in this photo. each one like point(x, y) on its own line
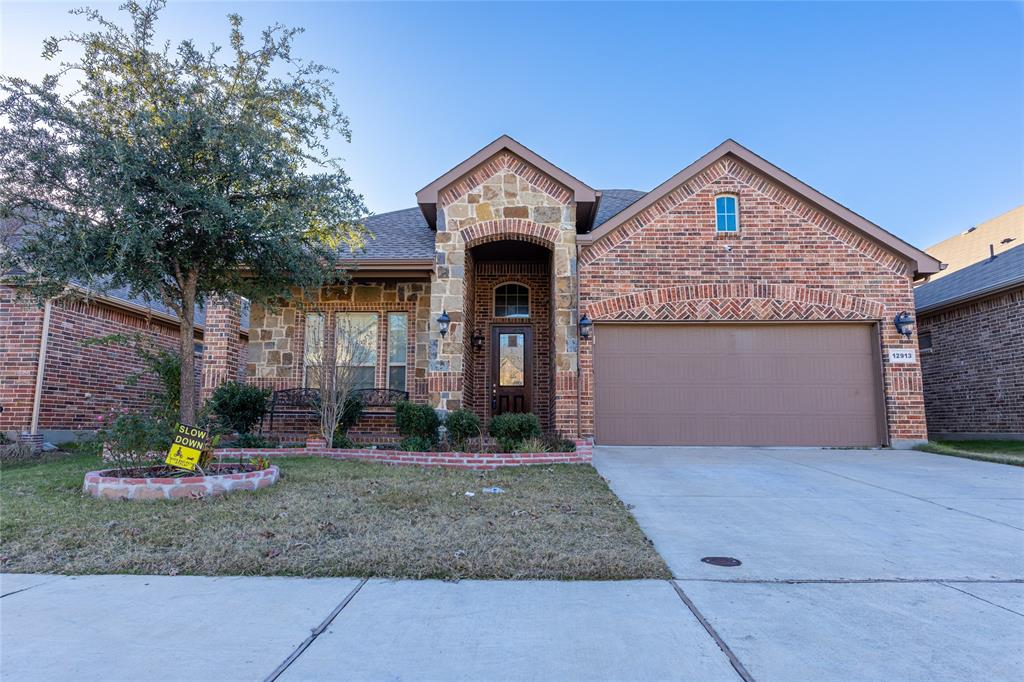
point(187, 409)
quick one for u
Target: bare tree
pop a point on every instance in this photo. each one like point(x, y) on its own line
point(355, 356)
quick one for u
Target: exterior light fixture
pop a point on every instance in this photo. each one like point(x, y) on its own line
point(478, 340)
point(586, 326)
point(443, 322)
point(904, 323)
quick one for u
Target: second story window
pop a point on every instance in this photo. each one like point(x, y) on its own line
point(511, 300)
point(726, 213)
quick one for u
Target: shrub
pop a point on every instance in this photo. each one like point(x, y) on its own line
point(511, 429)
point(555, 443)
point(238, 407)
point(416, 444)
point(349, 415)
point(462, 425)
point(420, 421)
point(134, 440)
point(252, 440)
point(532, 445)
point(341, 440)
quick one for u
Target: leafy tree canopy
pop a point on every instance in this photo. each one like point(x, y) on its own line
point(179, 172)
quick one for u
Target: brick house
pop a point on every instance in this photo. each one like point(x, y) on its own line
point(971, 333)
point(733, 304)
point(53, 384)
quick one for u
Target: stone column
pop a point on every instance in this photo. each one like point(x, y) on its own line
point(221, 345)
point(446, 356)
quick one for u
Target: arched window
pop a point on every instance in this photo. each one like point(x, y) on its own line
point(511, 300)
point(727, 218)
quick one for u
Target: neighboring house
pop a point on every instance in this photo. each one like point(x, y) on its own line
point(732, 305)
point(79, 381)
point(977, 243)
point(971, 333)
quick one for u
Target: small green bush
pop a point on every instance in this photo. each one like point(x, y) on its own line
point(420, 421)
point(238, 407)
point(252, 440)
point(555, 443)
point(350, 414)
point(416, 444)
point(341, 440)
point(462, 425)
point(511, 429)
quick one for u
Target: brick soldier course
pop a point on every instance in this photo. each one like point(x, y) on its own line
point(614, 255)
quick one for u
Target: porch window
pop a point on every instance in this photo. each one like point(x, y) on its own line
point(355, 336)
point(511, 300)
point(398, 349)
point(314, 350)
point(726, 215)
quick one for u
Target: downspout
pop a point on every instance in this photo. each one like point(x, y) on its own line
point(41, 367)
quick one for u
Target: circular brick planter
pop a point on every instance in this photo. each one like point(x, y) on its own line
point(101, 484)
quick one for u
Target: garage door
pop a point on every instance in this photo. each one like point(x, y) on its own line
point(737, 384)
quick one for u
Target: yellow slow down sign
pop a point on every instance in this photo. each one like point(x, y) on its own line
point(187, 447)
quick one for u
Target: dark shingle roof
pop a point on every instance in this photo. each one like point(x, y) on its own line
point(398, 234)
point(991, 274)
point(615, 201)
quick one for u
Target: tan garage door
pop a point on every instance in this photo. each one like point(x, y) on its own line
point(737, 384)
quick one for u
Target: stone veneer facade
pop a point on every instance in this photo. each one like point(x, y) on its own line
point(504, 198)
point(277, 333)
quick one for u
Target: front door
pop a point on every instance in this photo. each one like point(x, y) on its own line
point(511, 369)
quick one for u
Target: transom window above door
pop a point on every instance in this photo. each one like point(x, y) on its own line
point(511, 300)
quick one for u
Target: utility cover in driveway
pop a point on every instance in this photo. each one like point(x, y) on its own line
point(737, 384)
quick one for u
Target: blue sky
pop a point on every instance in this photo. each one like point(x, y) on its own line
point(910, 114)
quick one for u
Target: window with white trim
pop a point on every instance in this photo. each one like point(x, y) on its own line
point(313, 355)
point(398, 349)
point(727, 217)
point(355, 343)
point(511, 300)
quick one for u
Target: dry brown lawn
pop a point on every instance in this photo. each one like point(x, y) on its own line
point(329, 518)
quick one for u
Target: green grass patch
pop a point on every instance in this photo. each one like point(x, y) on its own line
point(999, 451)
point(331, 518)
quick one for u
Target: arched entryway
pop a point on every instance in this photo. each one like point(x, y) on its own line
point(509, 359)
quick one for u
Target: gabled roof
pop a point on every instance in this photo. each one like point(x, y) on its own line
point(922, 262)
point(999, 234)
point(583, 194)
point(1004, 271)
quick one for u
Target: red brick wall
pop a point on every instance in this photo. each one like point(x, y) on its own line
point(787, 262)
point(537, 276)
point(81, 381)
point(20, 326)
point(974, 372)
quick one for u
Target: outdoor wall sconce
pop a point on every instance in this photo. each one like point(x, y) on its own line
point(443, 322)
point(904, 323)
point(478, 340)
point(586, 327)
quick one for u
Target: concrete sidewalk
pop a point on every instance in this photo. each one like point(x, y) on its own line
point(192, 628)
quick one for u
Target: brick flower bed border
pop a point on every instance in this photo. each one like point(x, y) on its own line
point(111, 487)
point(461, 460)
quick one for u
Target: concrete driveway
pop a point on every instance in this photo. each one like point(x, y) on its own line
point(856, 565)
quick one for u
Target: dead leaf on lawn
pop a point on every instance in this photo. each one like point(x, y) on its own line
point(272, 552)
